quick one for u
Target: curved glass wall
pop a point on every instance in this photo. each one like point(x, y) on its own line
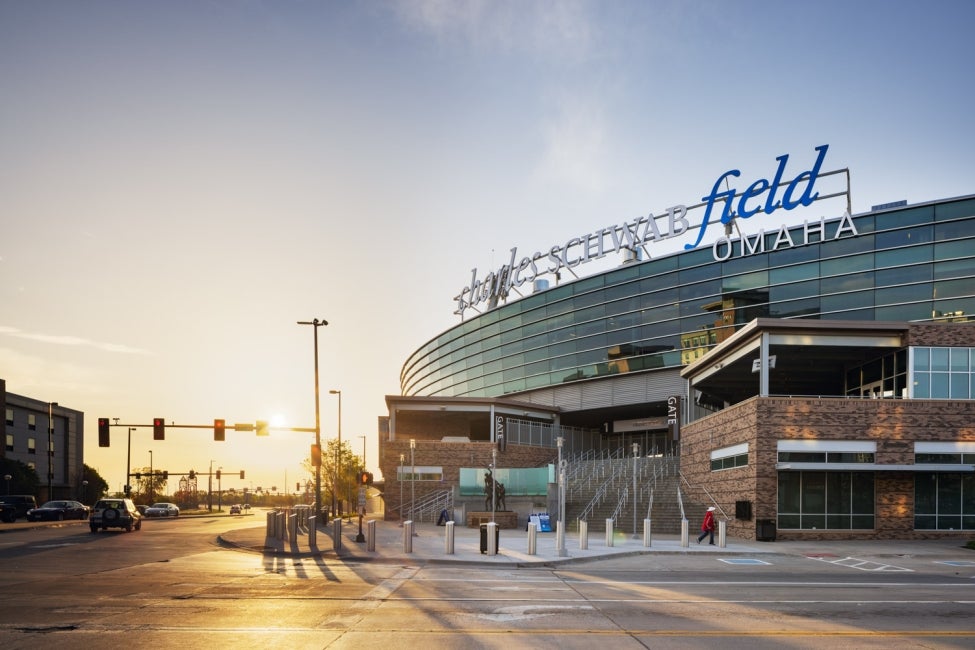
point(913, 264)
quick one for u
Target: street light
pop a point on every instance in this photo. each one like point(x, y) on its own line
point(412, 476)
point(128, 462)
point(338, 452)
point(210, 488)
point(150, 477)
point(315, 323)
point(84, 491)
point(7, 478)
point(402, 459)
point(560, 536)
point(636, 452)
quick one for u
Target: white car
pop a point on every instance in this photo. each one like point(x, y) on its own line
point(162, 510)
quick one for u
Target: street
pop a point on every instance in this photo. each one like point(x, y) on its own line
point(171, 584)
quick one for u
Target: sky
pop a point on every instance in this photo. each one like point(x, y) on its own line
point(183, 181)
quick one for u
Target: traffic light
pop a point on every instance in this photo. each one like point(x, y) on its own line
point(365, 478)
point(192, 475)
point(262, 428)
point(316, 456)
point(242, 476)
point(218, 474)
point(165, 474)
point(158, 428)
point(103, 432)
point(219, 430)
point(138, 476)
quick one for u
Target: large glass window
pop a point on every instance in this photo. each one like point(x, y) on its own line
point(944, 501)
point(826, 500)
point(943, 373)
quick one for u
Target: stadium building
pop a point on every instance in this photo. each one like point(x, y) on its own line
point(811, 378)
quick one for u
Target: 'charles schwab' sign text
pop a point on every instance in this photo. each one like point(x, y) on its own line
point(760, 197)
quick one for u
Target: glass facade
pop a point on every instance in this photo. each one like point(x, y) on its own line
point(909, 264)
point(826, 500)
point(944, 373)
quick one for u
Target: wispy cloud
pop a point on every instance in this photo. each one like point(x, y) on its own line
point(60, 339)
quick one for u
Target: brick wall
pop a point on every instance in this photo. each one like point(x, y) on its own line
point(451, 456)
point(894, 424)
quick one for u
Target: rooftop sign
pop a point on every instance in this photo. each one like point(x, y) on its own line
point(760, 197)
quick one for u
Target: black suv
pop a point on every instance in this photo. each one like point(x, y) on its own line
point(115, 513)
point(15, 506)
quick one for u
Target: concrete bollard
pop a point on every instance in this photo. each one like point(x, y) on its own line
point(448, 538)
point(337, 534)
point(371, 535)
point(559, 535)
point(408, 536)
point(646, 532)
point(609, 533)
point(532, 538)
point(293, 528)
point(312, 531)
point(492, 538)
point(583, 535)
point(269, 524)
point(683, 534)
point(722, 533)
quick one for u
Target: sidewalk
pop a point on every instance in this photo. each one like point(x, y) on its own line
point(429, 546)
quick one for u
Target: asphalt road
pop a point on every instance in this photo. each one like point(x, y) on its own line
point(171, 585)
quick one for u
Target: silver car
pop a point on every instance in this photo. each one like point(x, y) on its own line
point(162, 510)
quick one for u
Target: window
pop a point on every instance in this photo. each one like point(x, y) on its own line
point(10, 417)
point(10, 442)
point(31, 422)
point(729, 457)
point(423, 473)
point(944, 501)
point(943, 373)
point(826, 500)
point(31, 446)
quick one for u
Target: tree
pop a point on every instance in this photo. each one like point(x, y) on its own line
point(23, 478)
point(150, 485)
point(97, 486)
point(351, 465)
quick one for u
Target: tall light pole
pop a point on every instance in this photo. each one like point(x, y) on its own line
point(151, 477)
point(315, 323)
point(7, 478)
point(50, 449)
point(636, 451)
point(412, 477)
point(338, 452)
point(128, 463)
point(560, 537)
point(363, 453)
point(402, 459)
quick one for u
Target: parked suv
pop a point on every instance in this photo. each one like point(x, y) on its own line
point(115, 513)
point(15, 506)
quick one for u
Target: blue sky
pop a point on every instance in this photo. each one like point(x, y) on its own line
point(183, 181)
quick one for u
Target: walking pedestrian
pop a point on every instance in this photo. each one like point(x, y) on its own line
point(707, 527)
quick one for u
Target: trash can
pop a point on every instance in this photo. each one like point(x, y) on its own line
point(484, 537)
point(765, 530)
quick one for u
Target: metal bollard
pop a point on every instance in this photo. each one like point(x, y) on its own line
point(492, 538)
point(559, 536)
point(646, 532)
point(722, 533)
point(408, 536)
point(371, 535)
point(337, 534)
point(448, 538)
point(683, 533)
point(293, 528)
point(269, 524)
point(583, 535)
point(609, 533)
point(312, 531)
point(532, 535)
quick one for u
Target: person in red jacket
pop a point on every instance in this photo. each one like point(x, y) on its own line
point(707, 528)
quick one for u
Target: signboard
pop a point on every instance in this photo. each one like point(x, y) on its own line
point(762, 196)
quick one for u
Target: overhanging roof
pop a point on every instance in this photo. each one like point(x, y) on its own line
point(811, 356)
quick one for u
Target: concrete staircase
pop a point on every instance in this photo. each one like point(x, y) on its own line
point(601, 489)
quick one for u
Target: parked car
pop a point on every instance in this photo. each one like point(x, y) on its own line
point(58, 511)
point(115, 513)
point(162, 510)
point(235, 509)
point(15, 506)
